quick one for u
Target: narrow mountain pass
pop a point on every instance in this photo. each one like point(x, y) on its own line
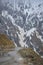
point(15, 59)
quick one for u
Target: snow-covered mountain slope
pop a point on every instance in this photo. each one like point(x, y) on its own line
point(23, 24)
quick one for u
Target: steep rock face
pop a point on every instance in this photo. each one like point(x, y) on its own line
point(8, 28)
point(23, 24)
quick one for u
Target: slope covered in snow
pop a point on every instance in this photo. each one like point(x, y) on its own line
point(24, 23)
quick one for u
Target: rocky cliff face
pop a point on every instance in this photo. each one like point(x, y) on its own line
point(23, 24)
